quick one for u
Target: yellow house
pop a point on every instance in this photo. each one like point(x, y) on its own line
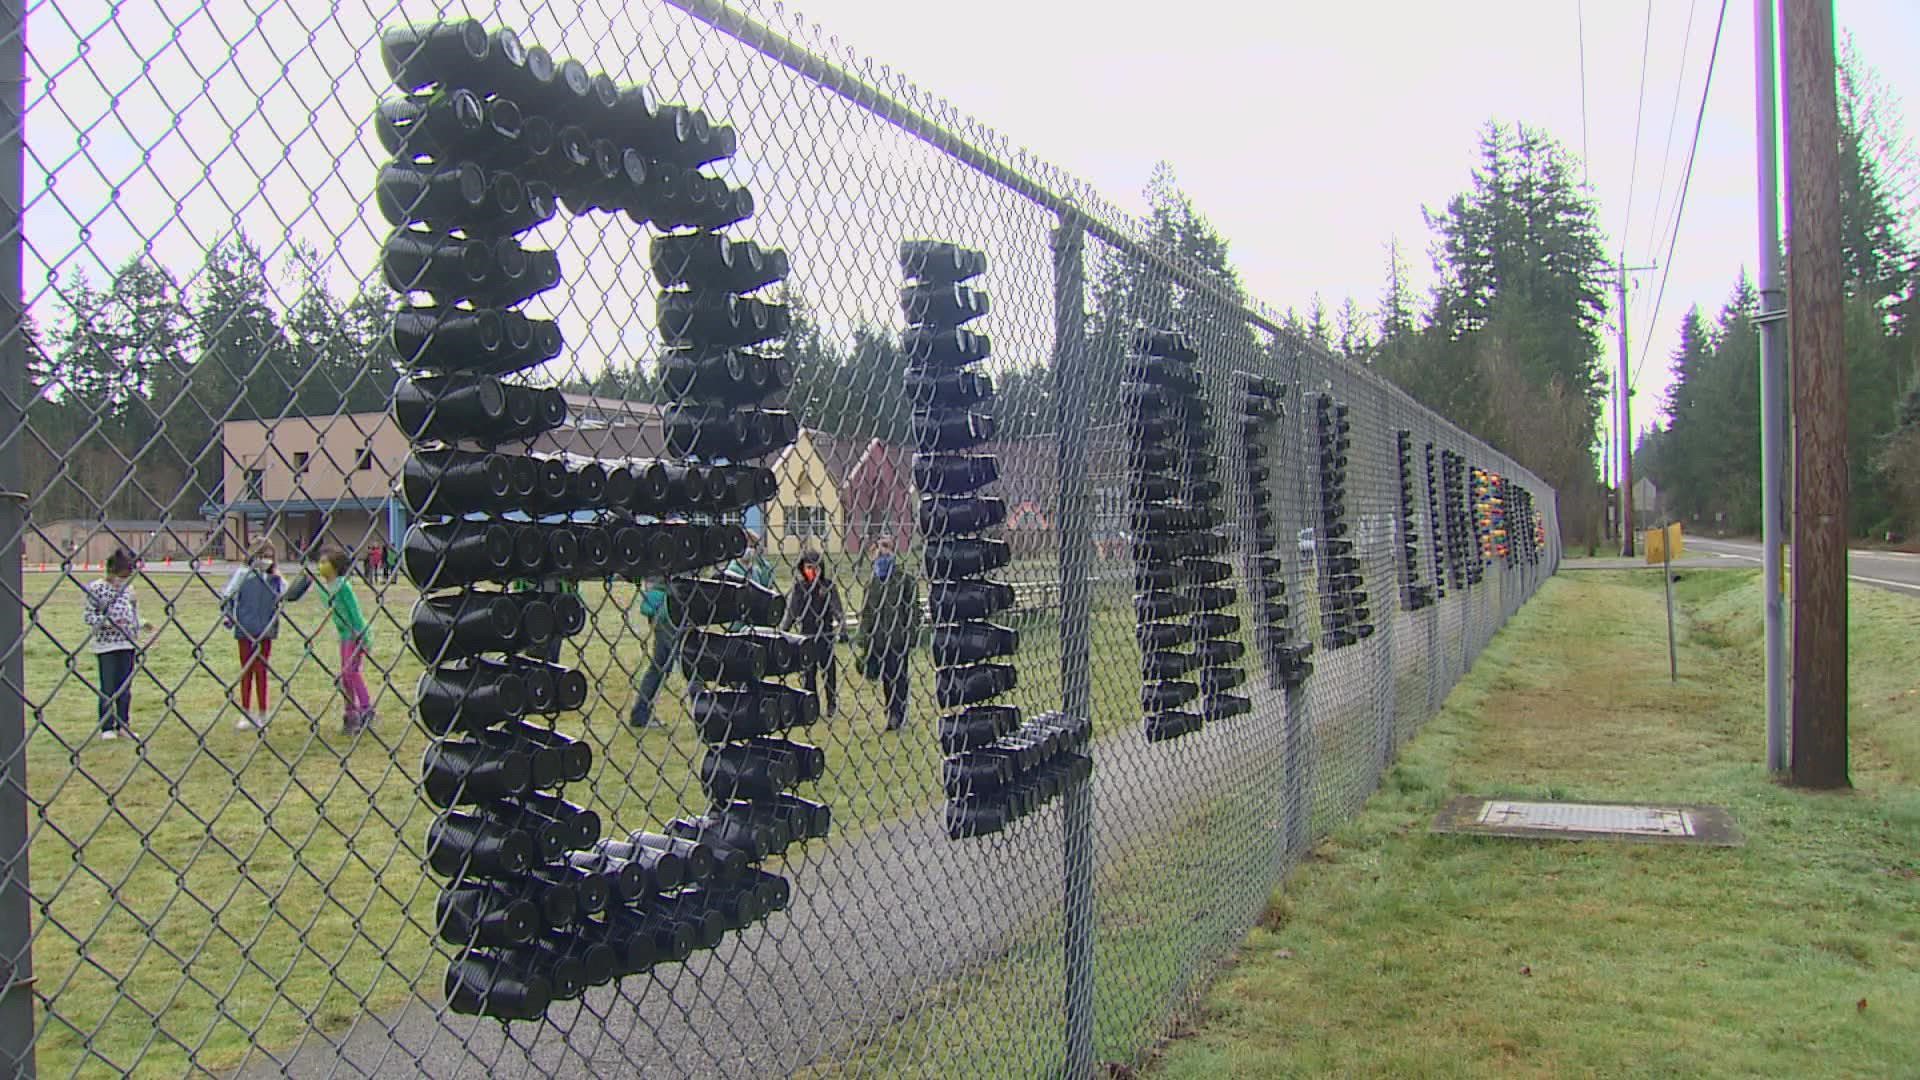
point(807, 510)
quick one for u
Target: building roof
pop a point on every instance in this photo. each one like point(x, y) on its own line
point(839, 453)
point(269, 507)
point(127, 525)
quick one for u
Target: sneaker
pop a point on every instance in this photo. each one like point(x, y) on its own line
point(110, 733)
point(245, 723)
point(260, 720)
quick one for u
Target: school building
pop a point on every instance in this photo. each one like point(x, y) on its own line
point(306, 482)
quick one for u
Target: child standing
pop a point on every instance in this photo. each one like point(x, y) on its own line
point(251, 606)
point(814, 609)
point(666, 649)
point(113, 614)
point(331, 573)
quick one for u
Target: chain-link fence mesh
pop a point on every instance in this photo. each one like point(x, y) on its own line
point(202, 361)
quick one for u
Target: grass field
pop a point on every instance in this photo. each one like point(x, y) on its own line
point(1395, 952)
point(206, 887)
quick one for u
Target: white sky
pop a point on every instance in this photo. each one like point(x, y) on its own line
point(1309, 134)
point(1312, 133)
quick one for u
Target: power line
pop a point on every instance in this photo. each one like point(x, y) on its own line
point(1580, 15)
point(1686, 179)
point(1633, 171)
point(1673, 119)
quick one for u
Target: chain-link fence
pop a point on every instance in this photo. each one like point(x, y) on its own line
point(218, 849)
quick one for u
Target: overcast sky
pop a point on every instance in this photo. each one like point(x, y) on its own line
point(1311, 135)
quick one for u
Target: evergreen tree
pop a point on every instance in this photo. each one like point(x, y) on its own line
point(1131, 293)
point(1396, 300)
point(1319, 329)
point(1520, 298)
point(1353, 339)
point(113, 386)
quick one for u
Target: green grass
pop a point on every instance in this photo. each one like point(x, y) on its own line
point(209, 888)
point(214, 888)
point(1004, 1017)
point(1396, 952)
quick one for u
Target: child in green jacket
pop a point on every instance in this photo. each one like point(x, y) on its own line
point(330, 573)
point(666, 649)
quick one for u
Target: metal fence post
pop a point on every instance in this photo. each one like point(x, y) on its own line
point(1070, 394)
point(1386, 606)
point(1296, 451)
point(16, 930)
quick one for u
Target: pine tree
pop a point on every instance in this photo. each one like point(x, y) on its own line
point(1396, 300)
point(1319, 329)
point(1353, 339)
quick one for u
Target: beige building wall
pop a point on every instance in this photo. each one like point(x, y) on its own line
point(808, 509)
point(317, 458)
point(312, 459)
point(358, 456)
point(88, 542)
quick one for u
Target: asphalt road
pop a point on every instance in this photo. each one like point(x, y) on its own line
point(1895, 571)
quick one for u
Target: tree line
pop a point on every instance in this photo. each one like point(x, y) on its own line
point(1706, 457)
point(1508, 344)
point(132, 383)
point(130, 387)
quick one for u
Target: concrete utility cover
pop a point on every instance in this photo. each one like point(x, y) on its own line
point(1579, 821)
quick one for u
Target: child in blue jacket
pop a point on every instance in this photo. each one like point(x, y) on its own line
point(250, 605)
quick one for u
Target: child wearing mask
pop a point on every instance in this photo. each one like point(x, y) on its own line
point(813, 610)
point(330, 574)
point(112, 613)
point(889, 624)
point(250, 605)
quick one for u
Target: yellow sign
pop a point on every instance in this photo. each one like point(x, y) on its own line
point(1659, 541)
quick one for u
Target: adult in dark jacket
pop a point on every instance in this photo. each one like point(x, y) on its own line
point(889, 625)
point(814, 611)
point(250, 605)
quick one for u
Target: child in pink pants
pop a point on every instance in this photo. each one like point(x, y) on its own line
point(330, 573)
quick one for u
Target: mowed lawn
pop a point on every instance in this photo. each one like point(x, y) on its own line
point(207, 888)
point(1395, 952)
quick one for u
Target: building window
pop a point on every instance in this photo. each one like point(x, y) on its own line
point(365, 464)
point(256, 484)
point(806, 521)
point(300, 462)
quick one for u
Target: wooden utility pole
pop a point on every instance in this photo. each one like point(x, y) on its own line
point(1626, 420)
point(1624, 478)
point(1815, 343)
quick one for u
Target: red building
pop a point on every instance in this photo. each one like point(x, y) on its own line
point(878, 498)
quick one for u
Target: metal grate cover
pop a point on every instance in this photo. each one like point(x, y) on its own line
point(1578, 821)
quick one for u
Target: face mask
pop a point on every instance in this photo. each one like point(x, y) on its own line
point(882, 567)
point(809, 572)
point(263, 565)
point(323, 571)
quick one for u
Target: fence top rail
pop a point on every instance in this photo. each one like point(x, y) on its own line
point(838, 79)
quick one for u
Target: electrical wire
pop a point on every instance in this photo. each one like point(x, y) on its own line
point(1633, 170)
point(1686, 179)
point(1580, 15)
point(1673, 120)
